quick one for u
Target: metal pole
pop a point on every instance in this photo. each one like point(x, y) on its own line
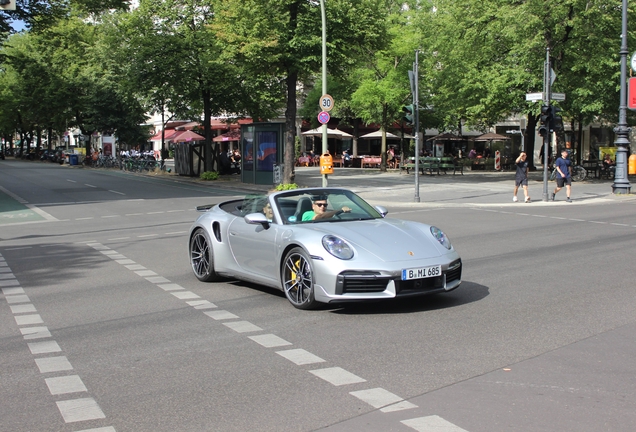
point(416, 107)
point(546, 137)
point(621, 182)
point(325, 147)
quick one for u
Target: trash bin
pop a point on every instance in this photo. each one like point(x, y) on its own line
point(72, 159)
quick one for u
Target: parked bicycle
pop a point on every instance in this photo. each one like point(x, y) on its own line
point(578, 173)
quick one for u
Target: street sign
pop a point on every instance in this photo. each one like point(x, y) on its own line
point(326, 103)
point(323, 117)
point(533, 97)
point(631, 93)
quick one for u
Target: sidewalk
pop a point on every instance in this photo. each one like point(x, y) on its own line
point(396, 187)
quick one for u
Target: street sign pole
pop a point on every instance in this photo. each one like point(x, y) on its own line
point(325, 147)
point(416, 105)
point(546, 138)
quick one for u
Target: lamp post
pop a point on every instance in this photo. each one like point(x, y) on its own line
point(325, 149)
point(621, 182)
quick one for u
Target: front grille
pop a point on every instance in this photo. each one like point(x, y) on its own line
point(454, 271)
point(361, 282)
point(419, 285)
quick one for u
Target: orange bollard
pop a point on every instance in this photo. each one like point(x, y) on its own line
point(326, 164)
point(632, 164)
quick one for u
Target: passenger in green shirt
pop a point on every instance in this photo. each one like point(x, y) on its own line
point(319, 210)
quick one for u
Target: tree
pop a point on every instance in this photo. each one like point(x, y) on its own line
point(279, 42)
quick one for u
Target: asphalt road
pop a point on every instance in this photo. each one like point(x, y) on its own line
point(103, 326)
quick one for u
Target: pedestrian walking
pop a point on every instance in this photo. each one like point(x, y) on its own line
point(564, 175)
point(521, 177)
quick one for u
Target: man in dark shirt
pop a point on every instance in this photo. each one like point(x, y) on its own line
point(521, 177)
point(564, 175)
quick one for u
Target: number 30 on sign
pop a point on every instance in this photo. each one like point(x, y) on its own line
point(326, 102)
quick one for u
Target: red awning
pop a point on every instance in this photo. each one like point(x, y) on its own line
point(169, 134)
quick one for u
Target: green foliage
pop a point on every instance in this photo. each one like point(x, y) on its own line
point(287, 186)
point(209, 175)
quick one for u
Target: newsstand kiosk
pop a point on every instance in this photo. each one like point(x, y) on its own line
point(261, 149)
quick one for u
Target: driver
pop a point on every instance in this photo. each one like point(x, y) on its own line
point(319, 209)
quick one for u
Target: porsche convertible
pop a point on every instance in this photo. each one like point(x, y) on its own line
point(321, 245)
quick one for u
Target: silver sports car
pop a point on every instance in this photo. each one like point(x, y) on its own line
point(321, 245)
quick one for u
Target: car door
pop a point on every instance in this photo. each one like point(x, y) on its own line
point(254, 248)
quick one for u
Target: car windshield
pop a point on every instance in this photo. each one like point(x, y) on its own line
point(323, 205)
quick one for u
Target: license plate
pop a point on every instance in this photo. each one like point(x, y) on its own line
point(422, 272)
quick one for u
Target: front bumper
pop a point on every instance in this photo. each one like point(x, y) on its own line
point(352, 285)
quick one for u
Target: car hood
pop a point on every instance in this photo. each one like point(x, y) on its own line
point(389, 240)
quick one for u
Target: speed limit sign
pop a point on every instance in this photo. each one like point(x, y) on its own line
point(326, 102)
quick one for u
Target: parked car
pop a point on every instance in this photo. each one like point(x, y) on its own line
point(351, 252)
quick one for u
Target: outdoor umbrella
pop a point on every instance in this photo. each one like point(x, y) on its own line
point(233, 135)
point(491, 137)
point(331, 133)
point(389, 135)
point(188, 136)
point(446, 137)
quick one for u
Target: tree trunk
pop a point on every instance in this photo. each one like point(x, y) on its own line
point(290, 128)
point(208, 164)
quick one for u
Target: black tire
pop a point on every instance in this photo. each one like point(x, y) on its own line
point(202, 257)
point(578, 173)
point(297, 278)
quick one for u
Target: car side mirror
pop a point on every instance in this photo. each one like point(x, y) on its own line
point(256, 219)
point(382, 210)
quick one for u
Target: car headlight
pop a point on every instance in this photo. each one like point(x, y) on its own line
point(441, 237)
point(337, 247)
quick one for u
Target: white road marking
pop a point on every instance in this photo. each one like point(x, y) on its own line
point(17, 298)
point(185, 295)
point(53, 364)
point(242, 326)
point(337, 376)
point(115, 192)
point(98, 246)
point(44, 347)
point(109, 252)
point(619, 224)
point(110, 216)
point(18, 248)
point(174, 211)
point(125, 261)
point(65, 384)
point(176, 233)
point(118, 238)
point(28, 319)
point(300, 356)
point(598, 222)
point(72, 181)
point(135, 267)
point(270, 340)
point(134, 214)
point(80, 410)
point(147, 235)
point(7, 276)
point(157, 279)
point(12, 291)
point(145, 273)
point(117, 256)
point(5, 270)
point(201, 304)
point(35, 332)
point(156, 212)
point(377, 397)
point(432, 423)
point(400, 406)
point(170, 287)
point(89, 185)
point(22, 308)
point(218, 315)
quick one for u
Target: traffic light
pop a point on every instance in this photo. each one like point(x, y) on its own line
point(7, 4)
point(556, 121)
point(409, 111)
point(545, 119)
